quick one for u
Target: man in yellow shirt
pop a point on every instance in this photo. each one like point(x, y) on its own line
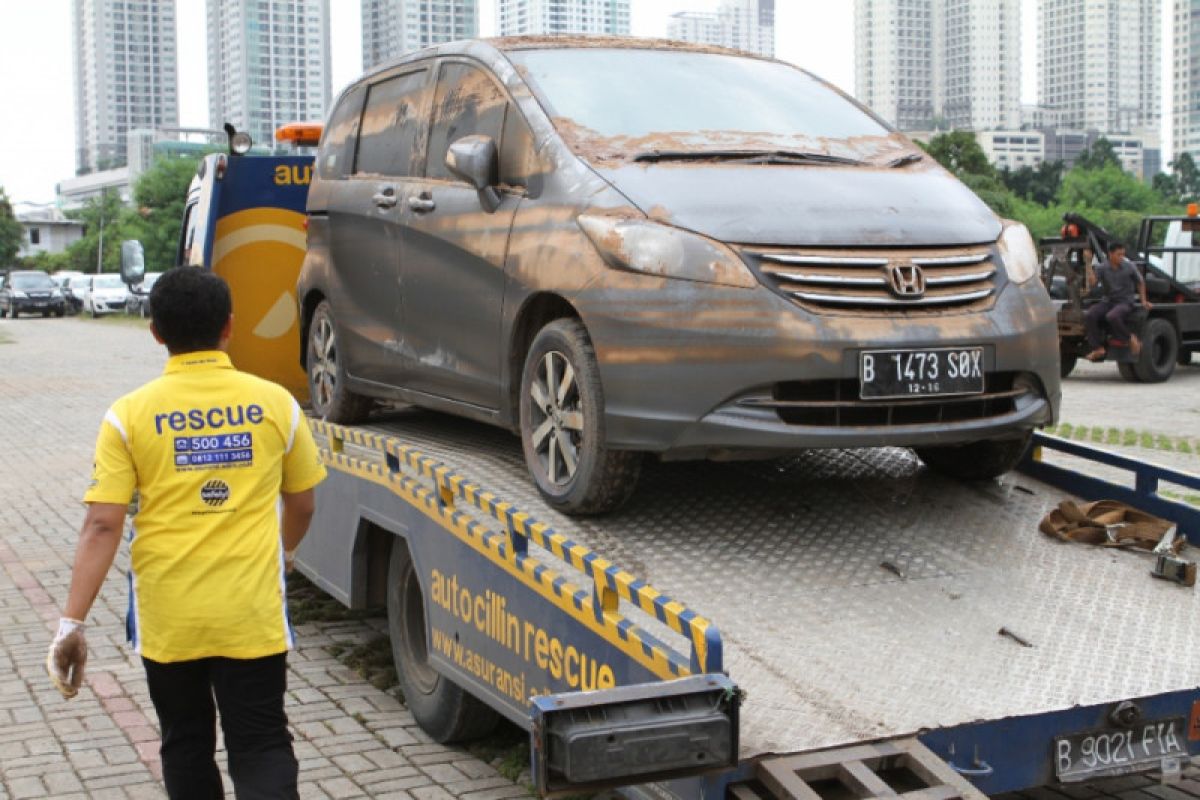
point(224, 466)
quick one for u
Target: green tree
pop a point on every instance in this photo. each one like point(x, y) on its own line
point(103, 213)
point(1039, 184)
point(1167, 187)
point(1098, 156)
point(12, 234)
point(959, 152)
point(1187, 178)
point(158, 198)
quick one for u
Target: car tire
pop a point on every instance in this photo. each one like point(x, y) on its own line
point(442, 708)
point(1066, 365)
point(45, 315)
point(331, 398)
point(975, 461)
point(59, 313)
point(3, 312)
point(570, 422)
point(13, 311)
point(1160, 350)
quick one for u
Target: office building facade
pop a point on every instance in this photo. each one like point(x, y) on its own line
point(126, 75)
point(741, 24)
point(1099, 62)
point(563, 17)
point(391, 28)
point(268, 64)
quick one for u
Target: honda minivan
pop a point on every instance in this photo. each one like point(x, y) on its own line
point(627, 247)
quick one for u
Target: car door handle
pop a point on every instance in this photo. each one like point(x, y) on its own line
point(385, 197)
point(423, 203)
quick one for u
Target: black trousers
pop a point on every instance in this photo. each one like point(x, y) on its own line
point(249, 694)
point(1115, 314)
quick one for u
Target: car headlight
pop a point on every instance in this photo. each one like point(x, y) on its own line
point(56, 295)
point(19, 295)
point(1018, 251)
point(656, 249)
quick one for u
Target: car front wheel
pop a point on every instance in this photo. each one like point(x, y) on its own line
point(331, 399)
point(562, 425)
point(975, 461)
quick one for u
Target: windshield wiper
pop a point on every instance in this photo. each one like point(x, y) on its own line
point(905, 160)
point(745, 157)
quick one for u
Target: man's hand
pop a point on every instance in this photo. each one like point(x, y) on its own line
point(67, 657)
point(1146, 304)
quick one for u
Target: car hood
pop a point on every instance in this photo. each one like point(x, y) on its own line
point(809, 205)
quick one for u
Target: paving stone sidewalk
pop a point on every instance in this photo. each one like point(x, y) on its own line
point(57, 377)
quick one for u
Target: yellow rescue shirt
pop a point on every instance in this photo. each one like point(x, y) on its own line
point(209, 449)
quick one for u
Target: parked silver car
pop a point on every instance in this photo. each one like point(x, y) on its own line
point(621, 247)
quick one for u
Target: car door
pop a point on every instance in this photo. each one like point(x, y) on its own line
point(454, 250)
point(365, 213)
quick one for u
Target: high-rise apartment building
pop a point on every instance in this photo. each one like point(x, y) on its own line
point(268, 64)
point(957, 62)
point(1099, 61)
point(1185, 121)
point(741, 24)
point(893, 60)
point(554, 17)
point(391, 28)
point(125, 75)
point(977, 63)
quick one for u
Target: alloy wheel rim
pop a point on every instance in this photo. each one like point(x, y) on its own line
point(324, 362)
point(556, 418)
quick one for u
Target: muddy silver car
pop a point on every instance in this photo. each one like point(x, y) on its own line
point(620, 247)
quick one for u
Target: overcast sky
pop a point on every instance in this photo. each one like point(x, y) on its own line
point(37, 139)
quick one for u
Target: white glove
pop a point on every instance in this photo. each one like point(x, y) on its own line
point(67, 657)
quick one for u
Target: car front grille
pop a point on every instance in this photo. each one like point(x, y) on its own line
point(836, 404)
point(872, 281)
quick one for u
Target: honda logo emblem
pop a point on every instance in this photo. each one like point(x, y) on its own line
point(907, 280)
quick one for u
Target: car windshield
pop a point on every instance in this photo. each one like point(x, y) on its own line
point(108, 282)
point(80, 282)
point(32, 282)
point(651, 102)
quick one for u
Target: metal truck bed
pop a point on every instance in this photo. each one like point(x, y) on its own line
point(860, 596)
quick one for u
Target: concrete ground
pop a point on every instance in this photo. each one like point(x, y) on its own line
point(57, 377)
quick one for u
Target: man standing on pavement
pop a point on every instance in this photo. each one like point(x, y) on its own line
point(1122, 286)
point(224, 466)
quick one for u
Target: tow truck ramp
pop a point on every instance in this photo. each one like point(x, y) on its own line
point(842, 619)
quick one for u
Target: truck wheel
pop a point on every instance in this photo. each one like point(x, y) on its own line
point(331, 399)
point(1160, 349)
point(975, 461)
point(442, 708)
point(1066, 364)
point(562, 425)
point(1128, 372)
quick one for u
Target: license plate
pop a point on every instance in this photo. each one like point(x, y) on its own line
point(888, 374)
point(1082, 756)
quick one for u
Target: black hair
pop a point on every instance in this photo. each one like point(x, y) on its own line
point(189, 307)
point(1116, 246)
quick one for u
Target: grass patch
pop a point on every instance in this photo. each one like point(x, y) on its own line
point(1183, 497)
point(373, 661)
point(307, 603)
point(1114, 436)
point(1098, 435)
point(119, 319)
point(1128, 437)
point(506, 749)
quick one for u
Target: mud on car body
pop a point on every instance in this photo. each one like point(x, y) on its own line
point(623, 247)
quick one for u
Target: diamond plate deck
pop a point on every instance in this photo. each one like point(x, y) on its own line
point(832, 647)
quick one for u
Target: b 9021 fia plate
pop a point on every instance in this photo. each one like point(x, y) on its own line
point(1082, 756)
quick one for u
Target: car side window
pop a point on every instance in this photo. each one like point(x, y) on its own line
point(391, 126)
point(468, 102)
point(336, 155)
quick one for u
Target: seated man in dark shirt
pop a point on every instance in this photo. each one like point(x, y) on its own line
point(1122, 287)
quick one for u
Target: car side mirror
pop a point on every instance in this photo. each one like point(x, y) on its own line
point(133, 261)
point(474, 159)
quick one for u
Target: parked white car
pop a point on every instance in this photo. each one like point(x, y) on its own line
point(106, 295)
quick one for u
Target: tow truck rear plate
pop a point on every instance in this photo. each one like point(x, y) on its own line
point(1118, 751)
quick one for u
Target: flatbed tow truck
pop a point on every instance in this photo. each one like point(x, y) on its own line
point(838, 624)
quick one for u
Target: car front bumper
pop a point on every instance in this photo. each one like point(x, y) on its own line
point(699, 371)
point(28, 305)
